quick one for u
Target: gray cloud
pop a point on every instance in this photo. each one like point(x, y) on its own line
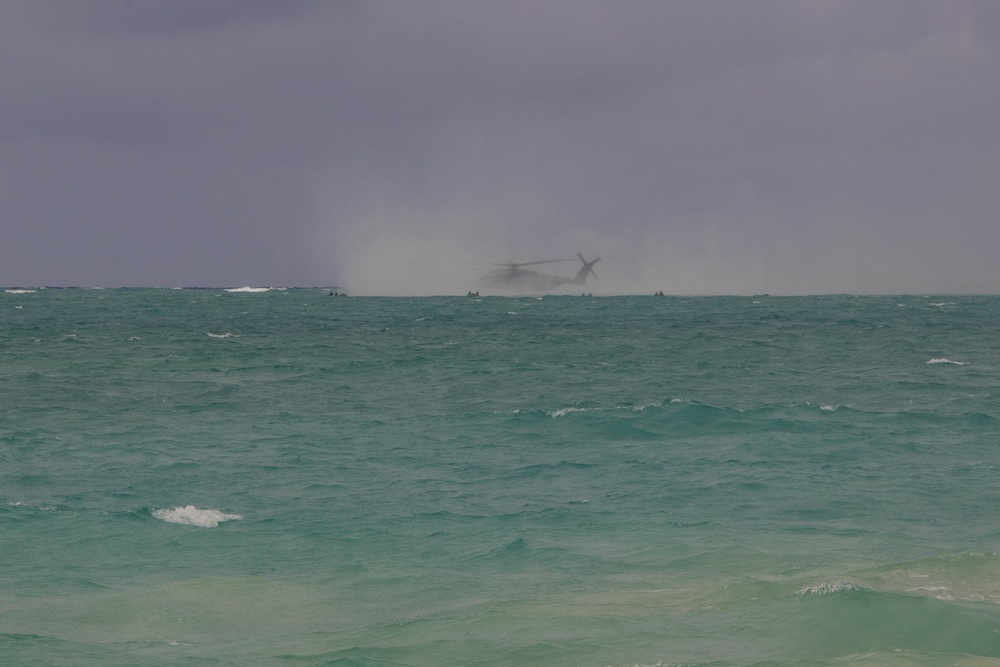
point(698, 147)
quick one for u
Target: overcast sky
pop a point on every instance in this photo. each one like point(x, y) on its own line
point(699, 146)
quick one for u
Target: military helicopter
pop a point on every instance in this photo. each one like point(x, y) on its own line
point(513, 277)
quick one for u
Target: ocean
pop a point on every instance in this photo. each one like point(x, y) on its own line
point(288, 478)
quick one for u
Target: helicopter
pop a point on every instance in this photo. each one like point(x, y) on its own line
point(513, 277)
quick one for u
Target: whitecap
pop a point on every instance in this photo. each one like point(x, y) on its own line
point(942, 360)
point(828, 408)
point(640, 408)
point(192, 516)
point(44, 508)
point(564, 411)
point(225, 335)
point(248, 289)
point(20, 291)
point(827, 589)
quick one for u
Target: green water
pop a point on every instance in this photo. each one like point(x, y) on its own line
point(203, 477)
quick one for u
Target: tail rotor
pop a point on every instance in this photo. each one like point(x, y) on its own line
point(586, 270)
point(588, 267)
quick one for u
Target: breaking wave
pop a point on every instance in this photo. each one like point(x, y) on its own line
point(192, 516)
point(829, 589)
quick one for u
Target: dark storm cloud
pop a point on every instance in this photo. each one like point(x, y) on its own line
point(697, 146)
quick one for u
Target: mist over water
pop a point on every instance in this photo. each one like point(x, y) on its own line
point(386, 260)
point(423, 251)
point(384, 257)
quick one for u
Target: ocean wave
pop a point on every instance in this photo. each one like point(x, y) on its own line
point(248, 289)
point(942, 360)
point(42, 508)
point(683, 417)
point(20, 291)
point(192, 516)
point(968, 577)
point(660, 663)
point(224, 335)
point(562, 412)
point(829, 588)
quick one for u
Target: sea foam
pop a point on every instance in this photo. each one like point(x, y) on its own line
point(193, 516)
point(561, 412)
point(829, 589)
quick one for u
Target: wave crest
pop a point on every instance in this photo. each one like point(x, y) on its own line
point(828, 589)
point(192, 516)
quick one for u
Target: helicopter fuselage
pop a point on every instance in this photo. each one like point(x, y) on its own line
point(515, 278)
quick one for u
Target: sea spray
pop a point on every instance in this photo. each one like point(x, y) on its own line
point(192, 516)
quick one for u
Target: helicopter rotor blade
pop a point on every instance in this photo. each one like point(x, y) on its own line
point(546, 261)
point(514, 265)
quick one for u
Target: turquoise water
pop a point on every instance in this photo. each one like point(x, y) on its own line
point(203, 477)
